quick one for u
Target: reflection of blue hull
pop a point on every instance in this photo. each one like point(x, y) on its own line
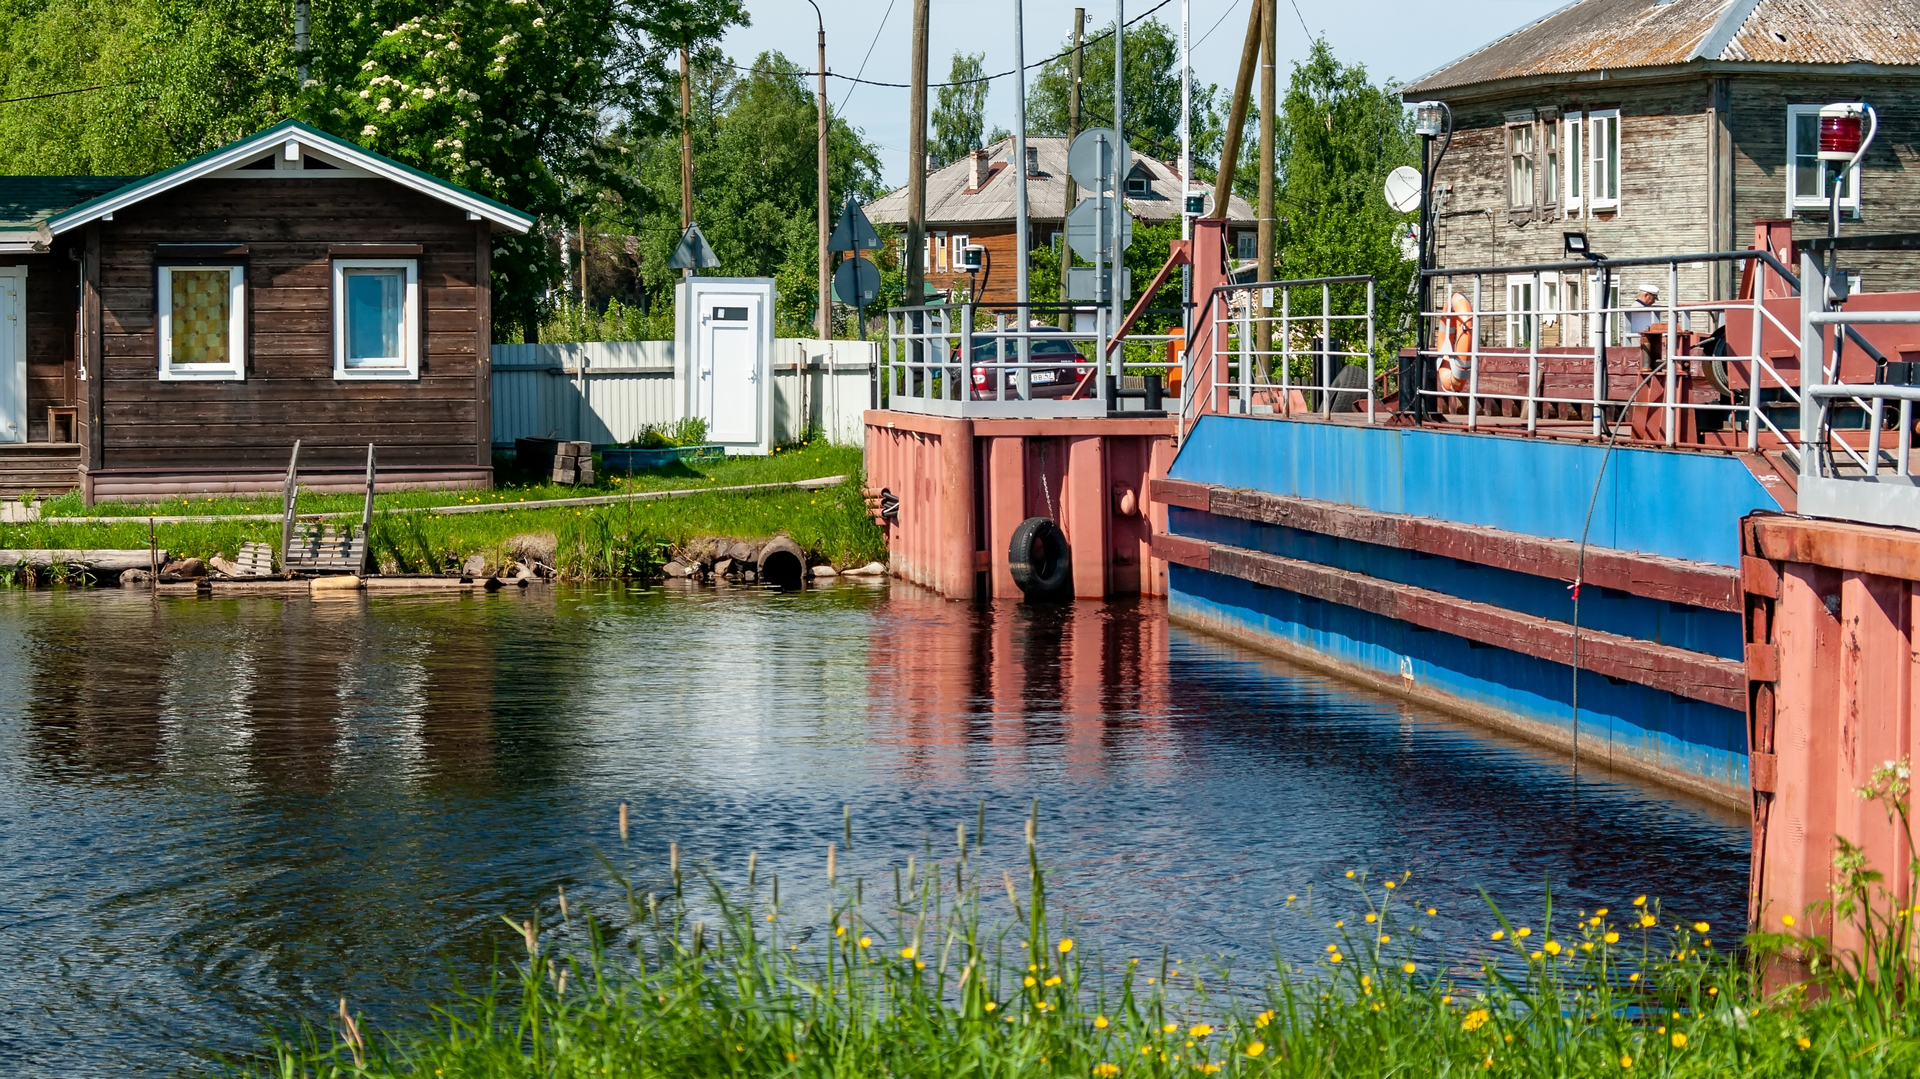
point(1677, 505)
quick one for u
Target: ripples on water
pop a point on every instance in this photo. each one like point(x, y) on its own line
point(217, 814)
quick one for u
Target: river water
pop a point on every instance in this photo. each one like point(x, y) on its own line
point(221, 814)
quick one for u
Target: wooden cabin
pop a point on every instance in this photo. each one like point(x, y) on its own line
point(1663, 127)
point(175, 333)
point(971, 201)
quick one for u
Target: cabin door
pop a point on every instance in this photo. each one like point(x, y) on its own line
point(13, 354)
point(730, 368)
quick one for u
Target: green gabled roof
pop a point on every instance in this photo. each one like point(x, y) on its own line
point(145, 187)
point(27, 201)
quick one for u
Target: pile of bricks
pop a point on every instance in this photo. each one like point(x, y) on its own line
point(561, 461)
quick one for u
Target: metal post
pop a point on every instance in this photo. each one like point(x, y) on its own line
point(1020, 224)
point(825, 321)
point(1906, 436)
point(1286, 349)
point(1326, 349)
point(1813, 294)
point(1246, 358)
point(1599, 289)
point(1673, 359)
point(1753, 363)
point(1370, 382)
point(1120, 163)
point(1186, 171)
point(1533, 363)
point(1473, 361)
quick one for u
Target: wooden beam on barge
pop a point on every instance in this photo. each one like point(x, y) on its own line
point(1685, 673)
point(1700, 584)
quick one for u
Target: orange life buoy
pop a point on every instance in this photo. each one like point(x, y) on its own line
point(1456, 344)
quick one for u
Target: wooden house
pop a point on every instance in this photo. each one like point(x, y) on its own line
point(971, 201)
point(1664, 127)
point(177, 332)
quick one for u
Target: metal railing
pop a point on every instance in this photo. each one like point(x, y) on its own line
point(1873, 482)
point(1561, 349)
point(970, 360)
point(1273, 348)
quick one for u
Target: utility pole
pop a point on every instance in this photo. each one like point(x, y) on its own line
point(302, 16)
point(1121, 160)
point(1073, 132)
point(1269, 37)
point(917, 163)
point(1022, 237)
point(686, 151)
point(825, 317)
point(1237, 115)
point(1186, 167)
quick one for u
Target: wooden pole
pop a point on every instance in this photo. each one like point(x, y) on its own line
point(1237, 113)
point(1073, 132)
point(826, 284)
point(686, 152)
point(1269, 89)
point(917, 162)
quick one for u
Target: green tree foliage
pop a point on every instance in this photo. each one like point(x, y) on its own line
point(960, 110)
point(755, 182)
point(1152, 78)
point(1338, 136)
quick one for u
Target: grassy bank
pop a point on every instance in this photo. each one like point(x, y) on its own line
point(617, 540)
point(736, 985)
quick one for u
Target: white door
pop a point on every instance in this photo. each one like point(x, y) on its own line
point(729, 367)
point(13, 357)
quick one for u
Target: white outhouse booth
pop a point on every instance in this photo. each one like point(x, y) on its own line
point(724, 358)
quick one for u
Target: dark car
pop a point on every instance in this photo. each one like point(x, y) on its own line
point(1058, 366)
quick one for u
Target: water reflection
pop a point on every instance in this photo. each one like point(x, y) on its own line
point(215, 812)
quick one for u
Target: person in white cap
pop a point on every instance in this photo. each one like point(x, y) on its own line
point(1638, 321)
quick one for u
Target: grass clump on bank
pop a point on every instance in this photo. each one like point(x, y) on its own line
point(739, 985)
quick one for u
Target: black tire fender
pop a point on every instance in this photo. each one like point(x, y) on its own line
point(1040, 559)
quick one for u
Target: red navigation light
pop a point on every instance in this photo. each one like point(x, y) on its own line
point(1841, 130)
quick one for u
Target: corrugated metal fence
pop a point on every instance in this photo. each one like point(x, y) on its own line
point(538, 390)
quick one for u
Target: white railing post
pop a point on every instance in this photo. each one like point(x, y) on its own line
point(1286, 351)
point(1326, 349)
point(1813, 294)
point(1370, 382)
point(1533, 362)
point(1754, 366)
point(1245, 374)
point(1473, 364)
point(1600, 320)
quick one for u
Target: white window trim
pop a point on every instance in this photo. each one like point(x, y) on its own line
point(409, 326)
point(1595, 163)
point(1797, 202)
point(1573, 163)
point(1520, 318)
point(1523, 201)
point(235, 369)
point(959, 242)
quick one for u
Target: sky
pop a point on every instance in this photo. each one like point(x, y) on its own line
point(1394, 39)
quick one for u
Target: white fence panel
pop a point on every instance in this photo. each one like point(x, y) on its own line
point(541, 391)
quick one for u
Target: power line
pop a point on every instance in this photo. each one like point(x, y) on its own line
point(869, 56)
point(1061, 55)
point(63, 93)
point(1216, 24)
point(1303, 20)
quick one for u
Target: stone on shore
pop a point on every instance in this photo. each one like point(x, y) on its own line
point(825, 571)
point(185, 567)
point(474, 566)
point(871, 569)
point(675, 569)
point(223, 567)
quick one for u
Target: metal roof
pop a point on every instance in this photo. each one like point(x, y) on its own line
point(949, 202)
point(1618, 35)
point(27, 201)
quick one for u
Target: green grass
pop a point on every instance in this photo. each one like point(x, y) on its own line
point(619, 540)
point(785, 465)
point(736, 985)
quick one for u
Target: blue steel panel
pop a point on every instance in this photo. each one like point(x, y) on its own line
point(1678, 504)
point(1714, 632)
point(1675, 733)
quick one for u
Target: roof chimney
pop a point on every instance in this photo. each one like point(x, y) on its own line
point(979, 168)
point(1033, 161)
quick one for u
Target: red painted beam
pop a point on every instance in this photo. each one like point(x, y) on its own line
point(1677, 670)
point(1187, 552)
point(1701, 584)
point(1855, 548)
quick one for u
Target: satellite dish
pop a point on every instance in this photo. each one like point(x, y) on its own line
point(1403, 189)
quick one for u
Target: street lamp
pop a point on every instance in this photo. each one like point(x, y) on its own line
point(825, 319)
point(1431, 120)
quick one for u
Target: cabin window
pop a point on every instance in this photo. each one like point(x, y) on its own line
point(376, 327)
point(1550, 165)
point(202, 316)
point(960, 242)
point(1575, 128)
point(1603, 157)
point(1520, 308)
point(1246, 245)
point(1520, 166)
point(1806, 173)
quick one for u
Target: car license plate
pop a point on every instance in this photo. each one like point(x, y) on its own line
point(1043, 376)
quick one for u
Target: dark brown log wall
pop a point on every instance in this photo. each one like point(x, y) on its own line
point(289, 392)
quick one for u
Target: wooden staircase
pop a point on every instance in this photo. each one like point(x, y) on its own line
point(48, 468)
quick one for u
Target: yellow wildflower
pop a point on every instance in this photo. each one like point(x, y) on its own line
point(866, 942)
point(1499, 934)
point(1611, 937)
point(991, 1005)
point(1371, 918)
point(1349, 874)
point(1169, 1028)
point(1051, 982)
point(1803, 1042)
point(1523, 931)
point(1640, 902)
point(1100, 1022)
point(1786, 920)
point(1626, 1061)
point(907, 952)
point(1106, 1071)
point(1700, 927)
point(1408, 968)
point(1066, 945)
point(1256, 1049)
point(1551, 947)
point(1679, 1040)
point(1475, 1019)
point(1028, 981)
point(1200, 1030)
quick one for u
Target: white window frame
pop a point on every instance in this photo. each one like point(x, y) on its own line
point(235, 369)
point(1797, 202)
point(1573, 144)
point(959, 244)
point(1553, 162)
point(409, 367)
point(940, 253)
point(1598, 164)
point(1522, 159)
point(1523, 299)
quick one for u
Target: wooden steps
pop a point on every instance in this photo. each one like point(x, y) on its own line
point(49, 468)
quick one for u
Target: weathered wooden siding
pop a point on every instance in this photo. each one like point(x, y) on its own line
point(52, 281)
point(1663, 186)
point(289, 392)
point(1890, 176)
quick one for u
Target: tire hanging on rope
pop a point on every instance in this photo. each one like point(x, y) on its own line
point(1040, 560)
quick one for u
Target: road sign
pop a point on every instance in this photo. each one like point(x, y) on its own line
point(1085, 227)
point(694, 252)
point(1403, 189)
point(1090, 159)
point(854, 232)
point(856, 281)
